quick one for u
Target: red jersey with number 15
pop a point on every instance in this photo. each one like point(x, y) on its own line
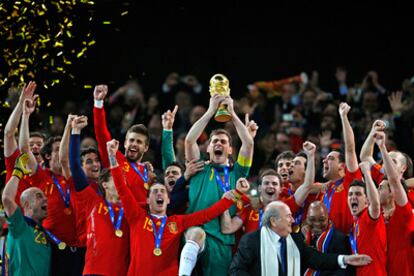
point(143, 260)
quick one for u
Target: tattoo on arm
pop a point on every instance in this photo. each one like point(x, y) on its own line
point(112, 161)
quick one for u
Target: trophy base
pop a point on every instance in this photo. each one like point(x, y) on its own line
point(222, 117)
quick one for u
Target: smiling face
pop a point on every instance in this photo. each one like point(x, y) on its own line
point(135, 146)
point(34, 203)
point(91, 165)
point(297, 170)
point(282, 225)
point(269, 189)
point(317, 218)
point(357, 200)
point(172, 173)
point(158, 199)
point(219, 149)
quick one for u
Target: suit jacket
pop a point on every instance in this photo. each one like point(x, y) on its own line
point(247, 260)
point(340, 245)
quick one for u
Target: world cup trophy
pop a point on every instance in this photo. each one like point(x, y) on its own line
point(219, 84)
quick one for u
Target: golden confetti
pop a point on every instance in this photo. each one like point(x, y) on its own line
point(124, 13)
point(43, 37)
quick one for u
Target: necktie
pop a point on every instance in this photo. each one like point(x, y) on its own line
point(283, 253)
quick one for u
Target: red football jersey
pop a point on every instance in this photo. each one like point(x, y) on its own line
point(143, 260)
point(106, 254)
point(59, 223)
point(400, 229)
point(81, 210)
point(133, 179)
point(372, 241)
point(340, 214)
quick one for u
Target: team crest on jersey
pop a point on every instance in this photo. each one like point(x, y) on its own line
point(340, 188)
point(172, 226)
point(125, 167)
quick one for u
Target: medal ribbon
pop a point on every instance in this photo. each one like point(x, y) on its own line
point(111, 212)
point(143, 177)
point(327, 198)
point(226, 185)
point(353, 237)
point(65, 198)
point(158, 236)
point(33, 223)
point(260, 217)
point(299, 215)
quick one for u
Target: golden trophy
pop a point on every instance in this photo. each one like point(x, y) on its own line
point(219, 84)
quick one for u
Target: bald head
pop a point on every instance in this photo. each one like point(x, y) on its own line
point(34, 203)
point(317, 218)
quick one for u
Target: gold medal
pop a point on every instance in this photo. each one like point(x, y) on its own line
point(146, 186)
point(67, 211)
point(157, 251)
point(62, 245)
point(296, 228)
point(118, 233)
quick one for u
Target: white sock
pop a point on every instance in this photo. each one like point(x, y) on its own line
point(188, 257)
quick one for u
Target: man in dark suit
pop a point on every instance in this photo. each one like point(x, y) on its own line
point(272, 250)
point(320, 233)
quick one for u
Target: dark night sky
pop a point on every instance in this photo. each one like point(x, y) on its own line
point(250, 42)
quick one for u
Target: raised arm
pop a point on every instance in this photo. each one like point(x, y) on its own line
point(246, 149)
point(351, 160)
point(10, 143)
point(394, 178)
point(64, 147)
point(367, 149)
point(79, 177)
point(28, 108)
point(127, 198)
point(303, 191)
point(228, 224)
point(167, 148)
point(374, 207)
point(10, 190)
point(192, 150)
point(101, 130)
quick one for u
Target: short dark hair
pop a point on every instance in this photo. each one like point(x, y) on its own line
point(284, 155)
point(303, 154)
point(358, 183)
point(48, 147)
point(37, 134)
point(85, 151)
point(152, 185)
point(175, 164)
point(104, 176)
point(218, 132)
point(140, 129)
point(267, 172)
point(341, 155)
